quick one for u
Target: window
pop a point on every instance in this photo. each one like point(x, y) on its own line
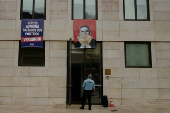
point(138, 54)
point(32, 56)
point(84, 9)
point(33, 9)
point(136, 10)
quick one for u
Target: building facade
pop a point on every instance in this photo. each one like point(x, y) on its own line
point(126, 76)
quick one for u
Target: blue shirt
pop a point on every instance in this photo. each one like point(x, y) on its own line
point(88, 84)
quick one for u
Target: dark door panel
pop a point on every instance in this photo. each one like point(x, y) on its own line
point(68, 98)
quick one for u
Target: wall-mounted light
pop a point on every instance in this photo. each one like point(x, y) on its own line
point(107, 77)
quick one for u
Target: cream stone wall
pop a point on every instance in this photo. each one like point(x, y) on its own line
point(28, 85)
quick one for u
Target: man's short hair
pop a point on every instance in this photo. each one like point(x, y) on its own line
point(84, 26)
point(89, 76)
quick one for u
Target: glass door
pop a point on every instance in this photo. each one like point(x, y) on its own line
point(80, 63)
point(93, 65)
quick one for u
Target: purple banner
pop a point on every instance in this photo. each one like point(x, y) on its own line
point(32, 32)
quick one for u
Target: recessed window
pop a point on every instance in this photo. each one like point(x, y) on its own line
point(31, 56)
point(84, 9)
point(136, 10)
point(138, 54)
point(33, 9)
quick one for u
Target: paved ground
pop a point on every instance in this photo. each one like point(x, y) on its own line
point(144, 108)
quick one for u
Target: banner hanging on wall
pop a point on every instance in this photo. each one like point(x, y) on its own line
point(84, 33)
point(32, 32)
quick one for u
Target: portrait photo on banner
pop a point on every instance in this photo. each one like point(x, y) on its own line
point(84, 33)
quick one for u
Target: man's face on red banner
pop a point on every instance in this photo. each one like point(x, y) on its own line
point(84, 30)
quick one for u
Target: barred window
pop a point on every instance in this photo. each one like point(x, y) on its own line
point(84, 9)
point(136, 10)
point(33, 9)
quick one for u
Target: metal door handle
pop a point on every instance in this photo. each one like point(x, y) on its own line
point(70, 85)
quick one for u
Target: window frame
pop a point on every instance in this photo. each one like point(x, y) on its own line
point(19, 55)
point(84, 9)
point(148, 12)
point(149, 51)
point(33, 8)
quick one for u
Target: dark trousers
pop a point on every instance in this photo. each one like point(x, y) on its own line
point(86, 94)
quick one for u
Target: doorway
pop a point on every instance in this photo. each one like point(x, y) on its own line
point(82, 63)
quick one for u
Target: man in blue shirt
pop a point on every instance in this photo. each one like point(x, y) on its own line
point(88, 85)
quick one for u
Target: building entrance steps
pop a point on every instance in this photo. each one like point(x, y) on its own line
point(139, 108)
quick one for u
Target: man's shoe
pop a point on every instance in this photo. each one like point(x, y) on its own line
point(81, 108)
point(89, 108)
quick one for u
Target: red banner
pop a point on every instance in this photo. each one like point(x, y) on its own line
point(84, 33)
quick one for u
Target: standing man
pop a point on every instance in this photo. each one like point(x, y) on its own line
point(88, 85)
